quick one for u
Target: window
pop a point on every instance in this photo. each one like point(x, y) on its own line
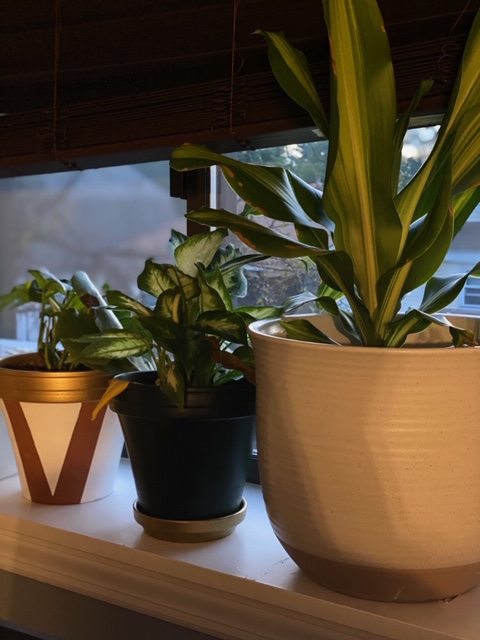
point(106, 222)
point(472, 293)
point(274, 280)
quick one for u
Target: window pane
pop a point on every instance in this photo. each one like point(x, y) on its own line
point(106, 222)
point(274, 280)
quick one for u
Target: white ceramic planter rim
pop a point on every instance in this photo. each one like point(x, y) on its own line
point(436, 338)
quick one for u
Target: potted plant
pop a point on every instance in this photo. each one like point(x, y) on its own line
point(368, 445)
point(189, 422)
point(62, 456)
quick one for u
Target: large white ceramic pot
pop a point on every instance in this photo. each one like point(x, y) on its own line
point(370, 463)
point(62, 455)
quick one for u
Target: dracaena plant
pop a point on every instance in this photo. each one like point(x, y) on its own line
point(67, 309)
point(372, 244)
point(190, 332)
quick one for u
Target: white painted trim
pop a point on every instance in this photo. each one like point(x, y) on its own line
point(242, 587)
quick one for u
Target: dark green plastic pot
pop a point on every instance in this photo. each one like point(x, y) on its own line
point(190, 464)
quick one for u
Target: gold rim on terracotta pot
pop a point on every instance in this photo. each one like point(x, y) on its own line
point(49, 386)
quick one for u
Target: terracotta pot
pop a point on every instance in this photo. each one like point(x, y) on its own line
point(190, 464)
point(62, 455)
point(370, 463)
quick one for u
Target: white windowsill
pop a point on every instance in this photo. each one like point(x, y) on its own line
point(243, 586)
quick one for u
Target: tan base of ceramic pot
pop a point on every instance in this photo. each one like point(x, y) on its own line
point(62, 455)
point(369, 462)
point(387, 585)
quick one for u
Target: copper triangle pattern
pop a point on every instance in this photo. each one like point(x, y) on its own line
point(76, 466)
point(31, 462)
point(78, 460)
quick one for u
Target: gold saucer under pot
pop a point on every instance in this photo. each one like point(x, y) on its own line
point(190, 530)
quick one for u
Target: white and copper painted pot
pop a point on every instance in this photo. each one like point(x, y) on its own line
point(62, 455)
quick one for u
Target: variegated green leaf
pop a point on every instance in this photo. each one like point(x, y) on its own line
point(122, 301)
point(166, 333)
point(463, 205)
point(464, 97)
point(199, 248)
point(424, 233)
point(177, 238)
point(462, 337)
point(314, 237)
point(259, 313)
point(114, 389)
point(466, 158)
point(300, 329)
point(232, 272)
point(299, 300)
point(185, 284)
point(273, 191)
point(324, 290)
point(336, 270)
point(46, 280)
point(216, 281)
point(72, 325)
point(19, 295)
point(347, 319)
point(292, 72)
point(169, 306)
point(171, 381)
point(195, 355)
point(417, 198)
point(401, 129)
point(112, 345)
point(240, 261)
point(154, 279)
point(433, 240)
point(329, 305)
point(91, 297)
point(357, 193)
point(440, 291)
point(213, 294)
point(427, 244)
point(466, 91)
point(255, 235)
point(414, 321)
point(224, 324)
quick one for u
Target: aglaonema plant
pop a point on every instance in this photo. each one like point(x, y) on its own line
point(191, 332)
point(372, 244)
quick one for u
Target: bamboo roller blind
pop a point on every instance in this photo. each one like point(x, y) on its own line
point(86, 84)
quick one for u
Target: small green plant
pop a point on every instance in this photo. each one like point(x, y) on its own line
point(67, 309)
point(191, 332)
point(372, 241)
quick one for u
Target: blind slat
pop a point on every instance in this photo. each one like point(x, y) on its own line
point(138, 77)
